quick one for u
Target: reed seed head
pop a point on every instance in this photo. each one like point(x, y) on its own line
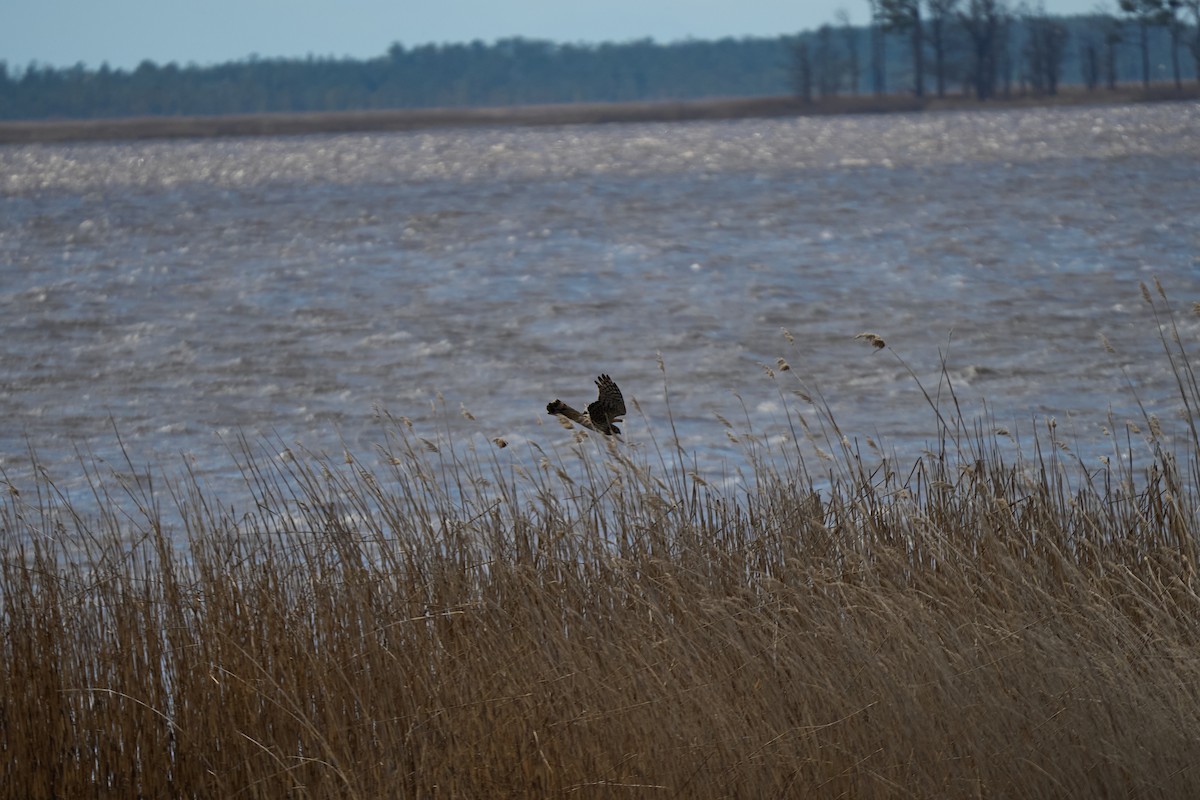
point(873, 339)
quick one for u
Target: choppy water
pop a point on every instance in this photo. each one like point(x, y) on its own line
point(186, 291)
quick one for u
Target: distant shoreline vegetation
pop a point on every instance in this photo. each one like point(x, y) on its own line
point(292, 124)
point(1022, 54)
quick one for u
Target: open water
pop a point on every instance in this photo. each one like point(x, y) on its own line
point(183, 292)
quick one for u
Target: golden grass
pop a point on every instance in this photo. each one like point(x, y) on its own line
point(599, 623)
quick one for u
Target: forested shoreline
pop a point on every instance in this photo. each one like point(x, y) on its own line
point(1026, 55)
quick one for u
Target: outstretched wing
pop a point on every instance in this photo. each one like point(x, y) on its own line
point(609, 406)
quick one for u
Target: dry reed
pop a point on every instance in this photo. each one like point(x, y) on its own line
point(593, 623)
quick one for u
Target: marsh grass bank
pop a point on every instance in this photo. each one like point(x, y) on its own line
point(596, 620)
point(291, 124)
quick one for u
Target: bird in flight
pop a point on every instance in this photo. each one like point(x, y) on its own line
point(602, 415)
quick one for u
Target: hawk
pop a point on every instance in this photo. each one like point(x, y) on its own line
point(602, 415)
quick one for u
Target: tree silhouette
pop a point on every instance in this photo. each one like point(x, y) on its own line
point(1145, 13)
point(1045, 48)
point(1193, 8)
point(941, 14)
point(983, 21)
point(904, 16)
point(966, 39)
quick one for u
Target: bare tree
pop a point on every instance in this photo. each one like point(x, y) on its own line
point(850, 42)
point(878, 49)
point(1146, 13)
point(1175, 25)
point(826, 63)
point(1045, 48)
point(1113, 37)
point(982, 22)
point(1006, 61)
point(1092, 41)
point(941, 13)
point(1089, 63)
point(904, 16)
point(802, 77)
point(1193, 7)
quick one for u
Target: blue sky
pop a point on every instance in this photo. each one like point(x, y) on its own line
point(124, 32)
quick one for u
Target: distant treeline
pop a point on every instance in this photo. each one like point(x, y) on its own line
point(835, 59)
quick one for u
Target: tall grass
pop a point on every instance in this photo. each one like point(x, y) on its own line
point(596, 620)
